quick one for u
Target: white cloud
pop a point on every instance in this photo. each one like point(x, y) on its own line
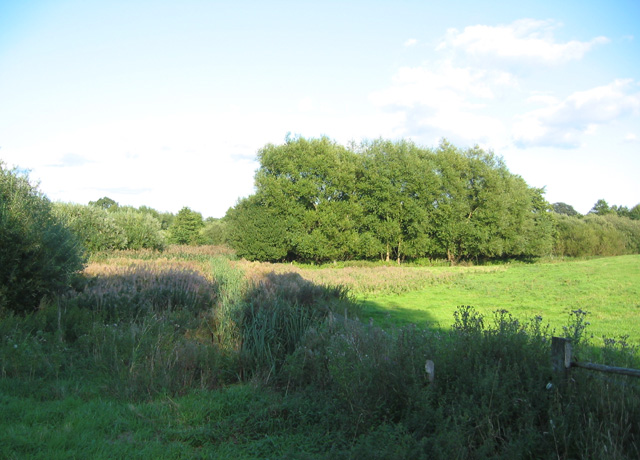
point(564, 124)
point(410, 42)
point(444, 85)
point(526, 39)
point(631, 138)
point(443, 100)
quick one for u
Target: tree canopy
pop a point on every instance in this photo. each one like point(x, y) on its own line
point(38, 253)
point(319, 201)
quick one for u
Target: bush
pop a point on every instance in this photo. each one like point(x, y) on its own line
point(142, 230)
point(214, 232)
point(596, 235)
point(185, 228)
point(101, 230)
point(38, 254)
point(95, 227)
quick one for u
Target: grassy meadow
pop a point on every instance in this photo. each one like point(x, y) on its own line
point(607, 288)
point(191, 353)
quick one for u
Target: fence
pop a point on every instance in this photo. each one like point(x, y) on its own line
point(562, 361)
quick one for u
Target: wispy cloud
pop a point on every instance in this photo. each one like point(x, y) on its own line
point(410, 42)
point(563, 124)
point(525, 39)
point(444, 100)
point(476, 95)
point(71, 160)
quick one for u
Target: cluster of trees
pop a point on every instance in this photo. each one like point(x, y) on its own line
point(319, 201)
point(43, 244)
point(604, 231)
point(103, 225)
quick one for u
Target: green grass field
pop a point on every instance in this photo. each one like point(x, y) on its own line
point(608, 288)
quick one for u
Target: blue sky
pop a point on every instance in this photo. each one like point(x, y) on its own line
point(165, 104)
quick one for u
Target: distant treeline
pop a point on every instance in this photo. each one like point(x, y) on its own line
point(318, 201)
point(103, 225)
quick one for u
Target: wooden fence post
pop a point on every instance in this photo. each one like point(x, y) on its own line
point(561, 357)
point(430, 368)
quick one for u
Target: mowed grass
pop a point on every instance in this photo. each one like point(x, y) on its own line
point(608, 288)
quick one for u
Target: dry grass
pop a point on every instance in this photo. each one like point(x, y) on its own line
point(366, 280)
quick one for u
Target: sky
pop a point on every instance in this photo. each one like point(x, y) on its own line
point(166, 104)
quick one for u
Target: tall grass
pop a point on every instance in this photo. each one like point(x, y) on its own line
point(151, 358)
point(494, 395)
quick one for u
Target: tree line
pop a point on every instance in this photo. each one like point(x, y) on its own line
point(316, 200)
point(104, 225)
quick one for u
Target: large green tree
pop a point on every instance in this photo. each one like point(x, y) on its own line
point(316, 200)
point(396, 188)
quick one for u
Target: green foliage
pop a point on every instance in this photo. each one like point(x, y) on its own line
point(185, 228)
point(38, 253)
point(141, 230)
point(601, 207)
point(165, 218)
point(117, 229)
point(95, 227)
point(564, 208)
point(318, 201)
point(257, 231)
point(597, 235)
point(105, 203)
point(214, 232)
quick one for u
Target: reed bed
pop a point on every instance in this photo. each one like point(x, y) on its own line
point(376, 280)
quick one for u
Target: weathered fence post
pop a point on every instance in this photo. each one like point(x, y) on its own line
point(430, 368)
point(561, 357)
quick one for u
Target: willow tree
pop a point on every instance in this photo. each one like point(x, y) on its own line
point(310, 184)
point(482, 210)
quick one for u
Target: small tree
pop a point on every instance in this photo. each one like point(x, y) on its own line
point(105, 203)
point(185, 228)
point(601, 208)
point(38, 254)
point(214, 231)
point(564, 208)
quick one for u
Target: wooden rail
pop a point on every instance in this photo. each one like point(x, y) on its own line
point(561, 360)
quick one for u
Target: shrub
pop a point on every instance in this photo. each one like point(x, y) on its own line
point(596, 235)
point(185, 228)
point(38, 254)
point(94, 226)
point(214, 232)
point(141, 230)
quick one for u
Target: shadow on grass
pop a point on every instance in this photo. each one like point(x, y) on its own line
point(392, 315)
